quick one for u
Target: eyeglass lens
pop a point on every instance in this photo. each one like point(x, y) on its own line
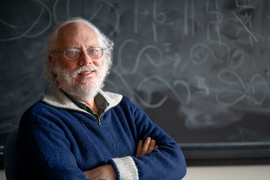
point(74, 54)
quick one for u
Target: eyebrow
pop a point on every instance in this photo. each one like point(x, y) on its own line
point(77, 47)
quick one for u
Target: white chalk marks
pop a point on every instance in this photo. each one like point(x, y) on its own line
point(196, 54)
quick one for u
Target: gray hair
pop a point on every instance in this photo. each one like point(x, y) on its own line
point(53, 44)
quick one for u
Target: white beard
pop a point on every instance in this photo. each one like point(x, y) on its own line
point(80, 91)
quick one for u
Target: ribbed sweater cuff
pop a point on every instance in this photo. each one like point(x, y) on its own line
point(126, 168)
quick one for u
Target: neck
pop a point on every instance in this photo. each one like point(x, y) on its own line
point(85, 99)
point(91, 104)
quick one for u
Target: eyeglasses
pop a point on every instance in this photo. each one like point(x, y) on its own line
point(73, 54)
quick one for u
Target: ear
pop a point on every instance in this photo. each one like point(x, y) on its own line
point(52, 62)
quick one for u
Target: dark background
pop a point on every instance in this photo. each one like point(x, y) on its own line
point(199, 68)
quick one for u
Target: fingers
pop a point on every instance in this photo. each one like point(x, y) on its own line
point(151, 146)
point(139, 148)
point(147, 147)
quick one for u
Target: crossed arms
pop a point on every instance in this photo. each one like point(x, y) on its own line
point(108, 172)
point(59, 144)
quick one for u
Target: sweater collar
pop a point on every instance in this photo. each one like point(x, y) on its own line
point(100, 101)
point(59, 100)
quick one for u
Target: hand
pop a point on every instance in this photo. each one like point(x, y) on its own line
point(102, 172)
point(148, 146)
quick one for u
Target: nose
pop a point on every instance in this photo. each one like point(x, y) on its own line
point(85, 59)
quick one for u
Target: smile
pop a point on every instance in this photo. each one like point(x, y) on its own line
point(85, 72)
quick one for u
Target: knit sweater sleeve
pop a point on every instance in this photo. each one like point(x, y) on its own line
point(166, 162)
point(43, 151)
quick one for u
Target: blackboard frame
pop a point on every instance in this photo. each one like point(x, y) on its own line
point(210, 154)
point(227, 154)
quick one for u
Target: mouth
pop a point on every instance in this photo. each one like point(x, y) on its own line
point(86, 72)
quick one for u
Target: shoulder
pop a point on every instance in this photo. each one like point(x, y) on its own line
point(36, 111)
point(36, 108)
point(44, 114)
point(34, 114)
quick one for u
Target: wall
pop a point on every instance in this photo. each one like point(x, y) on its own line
point(2, 175)
point(261, 172)
point(220, 173)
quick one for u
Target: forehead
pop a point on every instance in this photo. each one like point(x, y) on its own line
point(77, 35)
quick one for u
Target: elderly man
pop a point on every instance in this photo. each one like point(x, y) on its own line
point(79, 131)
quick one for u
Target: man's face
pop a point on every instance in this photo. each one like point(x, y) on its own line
point(84, 73)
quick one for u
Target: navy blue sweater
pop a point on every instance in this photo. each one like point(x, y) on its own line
point(59, 141)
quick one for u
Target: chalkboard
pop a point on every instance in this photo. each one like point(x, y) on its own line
point(199, 68)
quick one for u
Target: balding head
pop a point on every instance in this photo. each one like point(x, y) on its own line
point(53, 44)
